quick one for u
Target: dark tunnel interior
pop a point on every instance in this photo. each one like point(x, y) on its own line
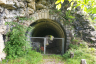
point(44, 27)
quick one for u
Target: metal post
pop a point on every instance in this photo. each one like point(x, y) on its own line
point(62, 46)
point(44, 45)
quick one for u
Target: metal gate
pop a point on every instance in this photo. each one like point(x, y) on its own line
point(46, 46)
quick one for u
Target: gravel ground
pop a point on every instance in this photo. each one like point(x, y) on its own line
point(51, 61)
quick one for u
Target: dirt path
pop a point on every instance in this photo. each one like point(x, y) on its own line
point(52, 60)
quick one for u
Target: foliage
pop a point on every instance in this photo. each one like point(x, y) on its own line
point(88, 6)
point(32, 57)
point(17, 43)
point(80, 52)
point(58, 2)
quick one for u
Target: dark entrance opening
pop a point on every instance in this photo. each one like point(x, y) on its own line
point(44, 27)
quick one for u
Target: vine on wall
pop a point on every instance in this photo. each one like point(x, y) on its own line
point(17, 44)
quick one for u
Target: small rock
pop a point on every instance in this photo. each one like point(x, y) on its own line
point(71, 54)
point(83, 61)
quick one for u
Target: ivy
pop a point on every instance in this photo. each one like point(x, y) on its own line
point(17, 44)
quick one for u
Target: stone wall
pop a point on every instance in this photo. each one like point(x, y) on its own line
point(10, 9)
point(38, 9)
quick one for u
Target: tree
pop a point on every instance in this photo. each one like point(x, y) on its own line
point(88, 6)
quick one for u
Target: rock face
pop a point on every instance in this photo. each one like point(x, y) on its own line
point(10, 9)
point(2, 54)
point(83, 27)
point(2, 1)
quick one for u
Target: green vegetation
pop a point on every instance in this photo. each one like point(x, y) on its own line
point(78, 47)
point(88, 6)
point(17, 47)
point(17, 44)
point(32, 57)
point(80, 53)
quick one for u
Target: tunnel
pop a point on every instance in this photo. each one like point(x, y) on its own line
point(44, 27)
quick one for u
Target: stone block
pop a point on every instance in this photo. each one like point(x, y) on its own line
point(32, 5)
point(69, 38)
point(2, 21)
point(30, 0)
point(39, 15)
point(1, 9)
point(6, 11)
point(2, 1)
point(68, 41)
point(51, 16)
point(1, 43)
point(42, 15)
point(19, 4)
point(40, 6)
point(1, 30)
point(34, 17)
point(20, 0)
point(68, 35)
point(30, 10)
point(2, 56)
point(10, 5)
point(21, 13)
point(43, 2)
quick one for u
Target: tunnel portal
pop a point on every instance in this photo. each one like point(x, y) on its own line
point(45, 27)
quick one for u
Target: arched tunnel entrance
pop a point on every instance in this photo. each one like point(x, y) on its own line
point(45, 27)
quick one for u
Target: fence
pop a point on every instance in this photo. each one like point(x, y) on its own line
point(47, 46)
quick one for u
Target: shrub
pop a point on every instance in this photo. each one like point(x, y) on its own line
point(16, 44)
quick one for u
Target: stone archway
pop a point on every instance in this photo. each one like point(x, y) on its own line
point(41, 18)
point(44, 14)
point(44, 27)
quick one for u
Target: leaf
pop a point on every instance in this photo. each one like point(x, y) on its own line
point(94, 18)
point(82, 6)
point(57, 2)
point(62, 1)
point(69, 1)
point(89, 10)
point(85, 9)
point(58, 6)
point(72, 4)
point(94, 10)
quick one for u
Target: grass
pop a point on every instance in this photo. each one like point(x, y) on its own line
point(32, 57)
point(81, 51)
